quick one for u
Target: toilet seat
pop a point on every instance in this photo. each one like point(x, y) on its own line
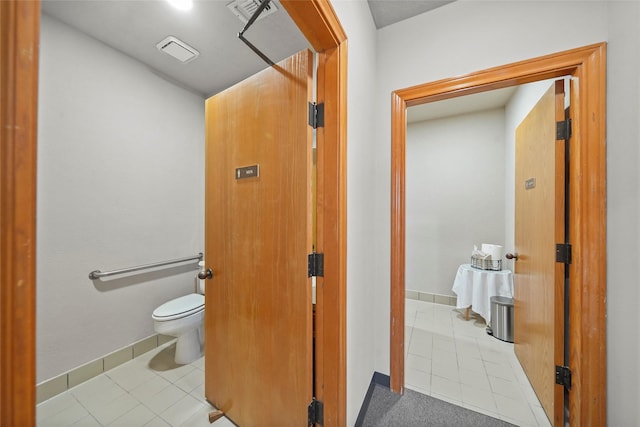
point(179, 307)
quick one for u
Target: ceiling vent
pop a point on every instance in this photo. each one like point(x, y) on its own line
point(244, 9)
point(178, 49)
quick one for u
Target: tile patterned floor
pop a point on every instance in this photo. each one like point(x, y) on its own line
point(453, 359)
point(150, 390)
point(446, 357)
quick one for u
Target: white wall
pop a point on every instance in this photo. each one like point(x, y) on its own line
point(455, 179)
point(361, 233)
point(467, 36)
point(120, 183)
point(623, 213)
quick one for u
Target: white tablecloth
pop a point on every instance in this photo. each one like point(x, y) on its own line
point(475, 288)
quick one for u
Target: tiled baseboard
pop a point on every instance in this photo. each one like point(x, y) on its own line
point(54, 386)
point(425, 296)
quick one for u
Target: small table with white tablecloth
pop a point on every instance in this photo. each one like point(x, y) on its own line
point(475, 287)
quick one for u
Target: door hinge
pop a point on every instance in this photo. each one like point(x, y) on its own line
point(316, 115)
point(316, 265)
point(315, 412)
point(563, 130)
point(563, 376)
point(563, 253)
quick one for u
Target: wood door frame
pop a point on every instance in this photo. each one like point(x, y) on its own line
point(319, 23)
point(19, 40)
point(587, 330)
point(19, 43)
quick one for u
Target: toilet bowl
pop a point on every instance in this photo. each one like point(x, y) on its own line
point(182, 318)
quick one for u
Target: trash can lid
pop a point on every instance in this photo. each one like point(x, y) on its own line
point(502, 300)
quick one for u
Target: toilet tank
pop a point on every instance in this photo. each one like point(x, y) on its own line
point(200, 282)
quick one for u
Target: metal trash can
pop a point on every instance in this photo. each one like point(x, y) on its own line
point(502, 318)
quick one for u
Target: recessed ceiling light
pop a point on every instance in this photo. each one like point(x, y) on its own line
point(181, 4)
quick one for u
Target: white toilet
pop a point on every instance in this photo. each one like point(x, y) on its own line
point(183, 318)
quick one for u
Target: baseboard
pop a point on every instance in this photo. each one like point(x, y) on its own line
point(377, 379)
point(63, 382)
point(428, 297)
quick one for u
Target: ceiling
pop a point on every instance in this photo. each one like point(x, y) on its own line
point(136, 27)
point(455, 106)
point(387, 12)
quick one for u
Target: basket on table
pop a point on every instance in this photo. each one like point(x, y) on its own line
point(486, 263)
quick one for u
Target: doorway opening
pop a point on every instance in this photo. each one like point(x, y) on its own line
point(320, 25)
point(460, 169)
point(586, 65)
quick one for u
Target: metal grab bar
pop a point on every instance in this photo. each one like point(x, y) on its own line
point(96, 274)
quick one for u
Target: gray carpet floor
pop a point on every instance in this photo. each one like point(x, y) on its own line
point(387, 409)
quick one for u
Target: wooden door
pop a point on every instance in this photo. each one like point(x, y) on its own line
point(539, 225)
point(258, 316)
